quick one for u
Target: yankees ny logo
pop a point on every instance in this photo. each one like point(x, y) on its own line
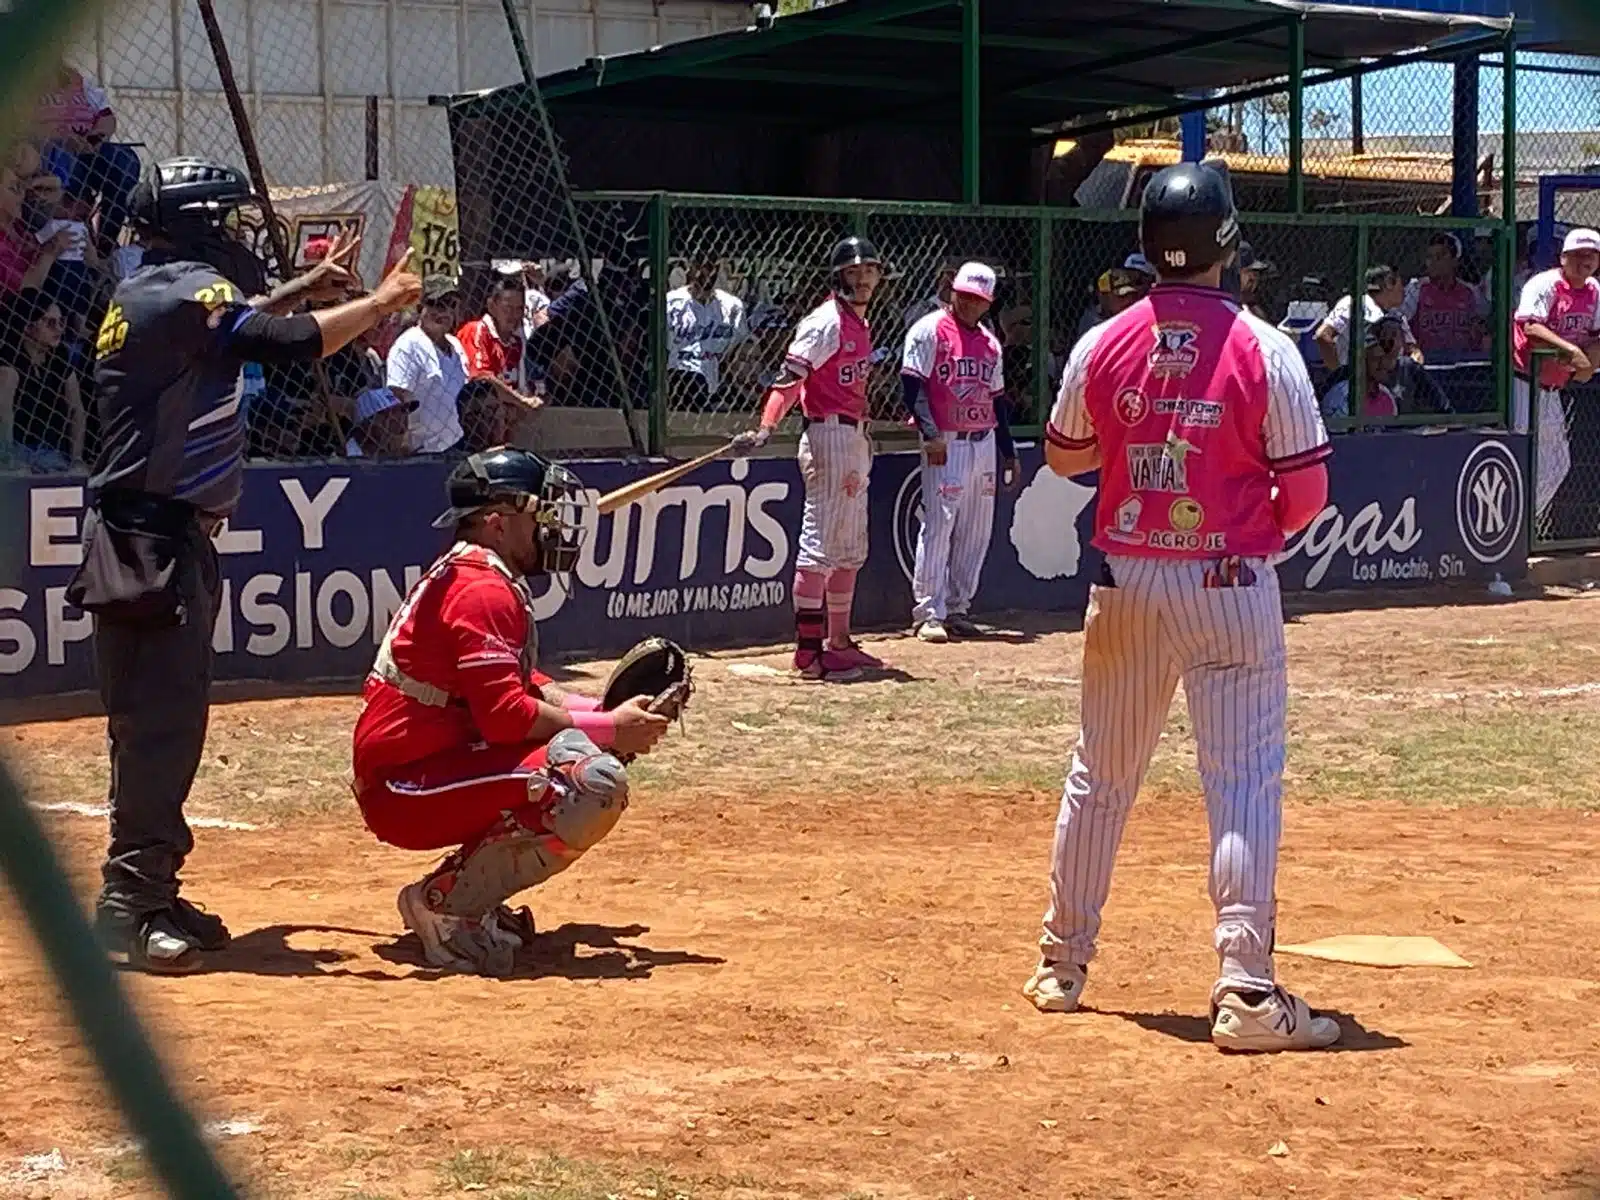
point(1491, 502)
point(1489, 492)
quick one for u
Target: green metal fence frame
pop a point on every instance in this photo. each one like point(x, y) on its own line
point(859, 216)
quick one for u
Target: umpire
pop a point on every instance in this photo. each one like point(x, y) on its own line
point(168, 369)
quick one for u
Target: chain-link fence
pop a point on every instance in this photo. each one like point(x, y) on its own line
point(729, 278)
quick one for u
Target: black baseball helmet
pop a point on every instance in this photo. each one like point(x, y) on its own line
point(1187, 221)
point(188, 201)
point(849, 252)
point(520, 479)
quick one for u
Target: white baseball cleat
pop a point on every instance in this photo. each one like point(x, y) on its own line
point(1056, 987)
point(1278, 1020)
point(933, 631)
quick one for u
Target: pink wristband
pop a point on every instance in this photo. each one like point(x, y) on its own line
point(601, 727)
point(575, 703)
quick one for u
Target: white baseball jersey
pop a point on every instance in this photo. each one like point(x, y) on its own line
point(701, 333)
point(832, 351)
point(1339, 319)
point(1193, 425)
point(961, 373)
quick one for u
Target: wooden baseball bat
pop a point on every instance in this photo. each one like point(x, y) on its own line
point(628, 493)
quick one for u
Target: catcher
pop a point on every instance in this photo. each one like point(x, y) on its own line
point(462, 742)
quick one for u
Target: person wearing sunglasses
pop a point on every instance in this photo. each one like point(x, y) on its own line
point(42, 417)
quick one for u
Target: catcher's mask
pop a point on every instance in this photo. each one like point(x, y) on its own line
point(521, 480)
point(195, 204)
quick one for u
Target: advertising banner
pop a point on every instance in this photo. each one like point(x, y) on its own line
point(318, 557)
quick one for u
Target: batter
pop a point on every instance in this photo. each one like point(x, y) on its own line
point(951, 376)
point(1205, 429)
point(826, 372)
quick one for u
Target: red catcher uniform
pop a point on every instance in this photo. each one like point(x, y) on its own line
point(441, 747)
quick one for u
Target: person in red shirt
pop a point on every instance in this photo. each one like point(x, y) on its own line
point(496, 351)
point(462, 742)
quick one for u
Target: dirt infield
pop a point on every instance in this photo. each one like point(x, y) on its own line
point(795, 968)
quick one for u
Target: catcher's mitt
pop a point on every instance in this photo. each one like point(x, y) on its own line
point(657, 667)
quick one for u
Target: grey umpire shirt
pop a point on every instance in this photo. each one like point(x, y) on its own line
point(167, 379)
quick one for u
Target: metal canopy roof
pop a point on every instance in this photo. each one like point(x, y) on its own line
point(1043, 62)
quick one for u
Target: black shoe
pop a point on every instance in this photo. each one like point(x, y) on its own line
point(962, 627)
point(150, 941)
point(206, 929)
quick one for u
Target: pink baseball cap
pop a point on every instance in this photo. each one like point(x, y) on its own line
point(1581, 239)
point(975, 279)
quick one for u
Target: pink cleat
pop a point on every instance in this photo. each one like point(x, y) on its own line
point(856, 657)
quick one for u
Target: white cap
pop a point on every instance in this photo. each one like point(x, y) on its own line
point(376, 400)
point(1138, 262)
point(1581, 239)
point(975, 279)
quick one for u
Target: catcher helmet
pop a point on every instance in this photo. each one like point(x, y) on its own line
point(187, 201)
point(1187, 221)
point(521, 480)
point(850, 252)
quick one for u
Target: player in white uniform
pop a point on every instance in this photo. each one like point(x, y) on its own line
point(951, 376)
point(826, 371)
point(1205, 429)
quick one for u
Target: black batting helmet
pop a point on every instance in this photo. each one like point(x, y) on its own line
point(849, 252)
point(187, 201)
point(1187, 221)
point(521, 480)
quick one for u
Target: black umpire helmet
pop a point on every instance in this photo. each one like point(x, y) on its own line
point(849, 252)
point(520, 480)
point(1187, 221)
point(187, 201)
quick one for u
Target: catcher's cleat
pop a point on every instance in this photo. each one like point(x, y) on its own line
point(1266, 1022)
point(933, 630)
point(1056, 987)
point(434, 930)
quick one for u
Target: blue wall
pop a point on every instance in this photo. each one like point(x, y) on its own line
point(318, 557)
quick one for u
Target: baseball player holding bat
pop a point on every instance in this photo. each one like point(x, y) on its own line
point(952, 381)
point(825, 371)
point(462, 742)
point(1203, 424)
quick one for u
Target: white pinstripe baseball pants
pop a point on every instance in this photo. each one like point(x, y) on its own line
point(836, 464)
point(1553, 452)
point(1157, 625)
point(957, 520)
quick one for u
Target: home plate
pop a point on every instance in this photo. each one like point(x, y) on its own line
point(1374, 950)
point(756, 671)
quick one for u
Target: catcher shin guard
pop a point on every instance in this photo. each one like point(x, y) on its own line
point(582, 801)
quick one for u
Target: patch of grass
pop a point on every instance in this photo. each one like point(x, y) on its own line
point(127, 1166)
point(501, 1175)
point(477, 1169)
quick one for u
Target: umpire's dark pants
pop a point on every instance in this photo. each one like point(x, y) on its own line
point(156, 685)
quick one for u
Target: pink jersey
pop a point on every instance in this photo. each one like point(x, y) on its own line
point(961, 368)
point(832, 352)
point(1570, 312)
point(1446, 320)
point(1197, 406)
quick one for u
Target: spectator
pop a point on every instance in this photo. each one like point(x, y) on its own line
point(485, 420)
point(943, 278)
point(79, 124)
point(536, 308)
point(495, 349)
point(703, 323)
point(428, 366)
point(1396, 385)
point(380, 427)
point(24, 262)
point(1559, 311)
point(1118, 289)
point(1450, 317)
point(1254, 273)
point(42, 417)
point(76, 277)
point(1385, 291)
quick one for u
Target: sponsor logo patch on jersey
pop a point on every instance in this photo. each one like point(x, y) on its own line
point(1204, 414)
point(1175, 353)
point(1160, 467)
point(1127, 522)
point(1186, 515)
point(1131, 406)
